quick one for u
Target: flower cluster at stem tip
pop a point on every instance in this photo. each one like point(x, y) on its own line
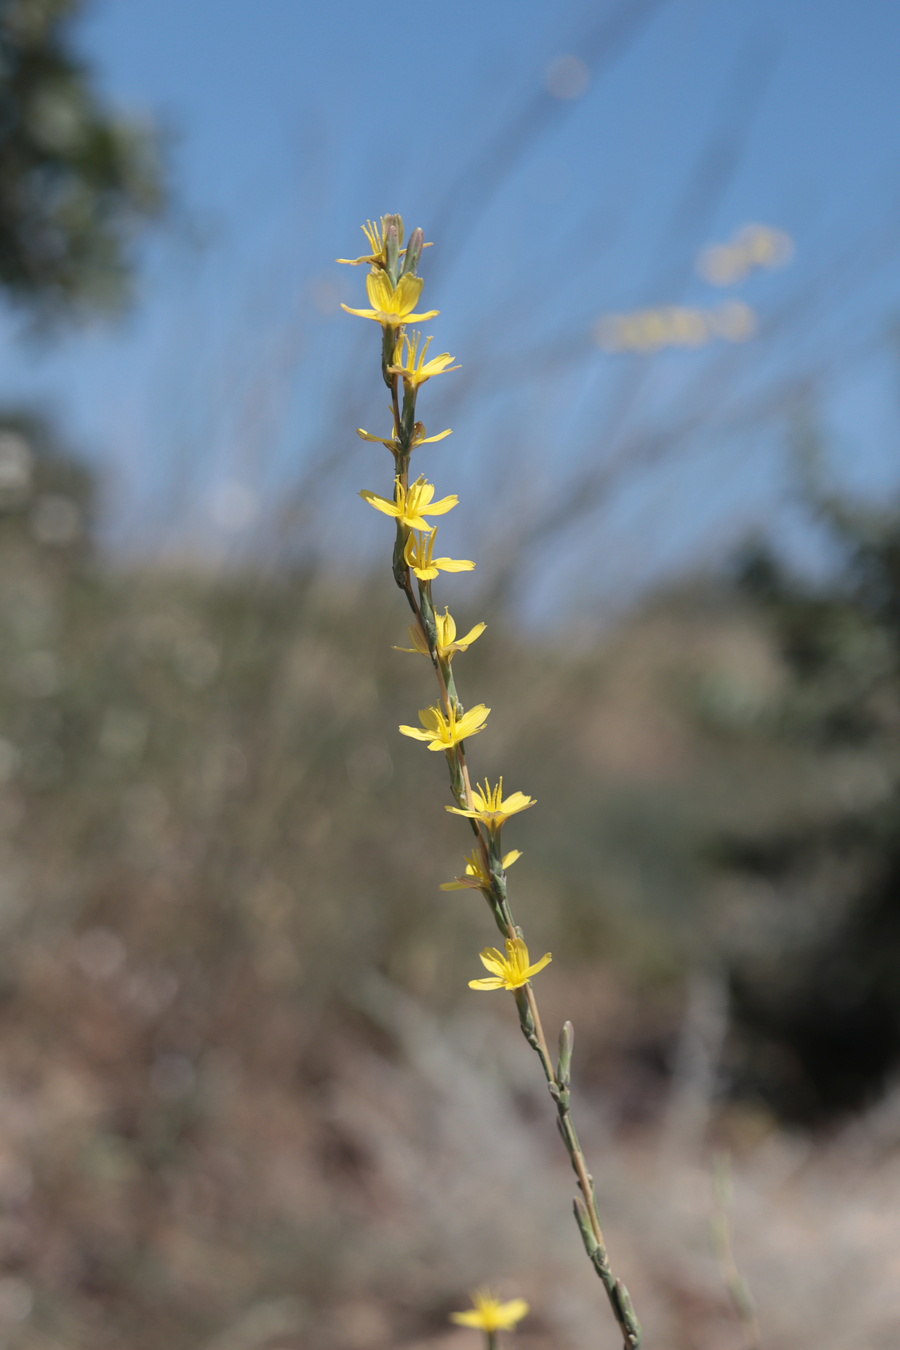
point(394, 290)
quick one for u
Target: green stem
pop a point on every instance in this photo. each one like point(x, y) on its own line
point(585, 1208)
point(533, 1031)
point(530, 1019)
point(496, 895)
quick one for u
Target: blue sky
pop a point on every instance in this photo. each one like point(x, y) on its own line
point(233, 387)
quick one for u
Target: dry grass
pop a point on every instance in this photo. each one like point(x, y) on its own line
point(245, 1098)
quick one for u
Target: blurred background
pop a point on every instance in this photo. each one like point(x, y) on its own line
point(246, 1099)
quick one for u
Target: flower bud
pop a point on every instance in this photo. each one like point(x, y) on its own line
point(588, 1237)
point(393, 238)
point(564, 1067)
point(414, 251)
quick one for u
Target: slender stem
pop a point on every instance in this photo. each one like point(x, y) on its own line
point(464, 768)
point(738, 1289)
point(586, 1215)
point(491, 853)
point(395, 402)
point(533, 1030)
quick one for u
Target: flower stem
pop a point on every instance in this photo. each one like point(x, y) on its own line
point(558, 1086)
point(558, 1082)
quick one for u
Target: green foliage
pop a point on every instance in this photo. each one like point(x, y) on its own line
point(819, 1007)
point(77, 179)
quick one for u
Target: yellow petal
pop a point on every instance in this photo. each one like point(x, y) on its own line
point(468, 1319)
point(517, 801)
point(421, 493)
point(453, 564)
point(416, 733)
point(487, 984)
point(380, 503)
point(473, 721)
point(418, 642)
point(511, 1312)
point(367, 436)
point(471, 636)
point(493, 960)
point(446, 624)
point(432, 719)
point(379, 290)
point(442, 507)
point(539, 965)
point(404, 298)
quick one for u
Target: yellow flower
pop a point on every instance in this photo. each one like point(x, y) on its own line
point(447, 643)
point(415, 369)
point(417, 554)
point(475, 877)
point(377, 237)
point(511, 971)
point(392, 305)
point(441, 732)
point(418, 438)
point(487, 1314)
point(412, 504)
point(491, 808)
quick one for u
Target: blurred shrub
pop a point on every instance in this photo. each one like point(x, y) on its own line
point(76, 179)
point(211, 837)
point(817, 990)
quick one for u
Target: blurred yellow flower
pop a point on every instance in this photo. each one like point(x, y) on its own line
point(651, 330)
point(447, 643)
point(475, 877)
point(487, 1314)
point(752, 246)
point(511, 971)
point(443, 732)
point(417, 554)
point(412, 503)
point(392, 305)
point(490, 806)
point(415, 370)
